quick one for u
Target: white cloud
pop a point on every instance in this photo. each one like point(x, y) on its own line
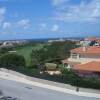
point(6, 25)
point(43, 26)
point(85, 11)
point(58, 2)
point(55, 28)
point(2, 13)
point(24, 23)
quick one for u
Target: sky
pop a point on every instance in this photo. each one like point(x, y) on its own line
point(32, 19)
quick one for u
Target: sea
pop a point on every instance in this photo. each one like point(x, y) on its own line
point(46, 39)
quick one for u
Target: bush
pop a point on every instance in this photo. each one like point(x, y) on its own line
point(4, 50)
point(71, 78)
point(12, 61)
point(89, 83)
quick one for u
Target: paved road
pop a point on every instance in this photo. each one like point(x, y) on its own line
point(27, 92)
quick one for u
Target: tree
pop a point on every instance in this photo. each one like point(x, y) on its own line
point(52, 53)
point(38, 56)
point(69, 76)
point(4, 50)
point(12, 61)
point(60, 50)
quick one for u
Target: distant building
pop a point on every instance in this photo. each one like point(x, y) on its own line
point(57, 40)
point(92, 41)
point(13, 43)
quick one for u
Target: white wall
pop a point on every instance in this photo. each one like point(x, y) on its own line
point(83, 60)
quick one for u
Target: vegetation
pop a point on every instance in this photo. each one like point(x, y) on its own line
point(89, 83)
point(70, 77)
point(26, 51)
point(12, 61)
point(54, 52)
point(31, 58)
point(4, 50)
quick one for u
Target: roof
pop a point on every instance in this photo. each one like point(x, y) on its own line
point(70, 62)
point(93, 66)
point(98, 40)
point(90, 39)
point(88, 50)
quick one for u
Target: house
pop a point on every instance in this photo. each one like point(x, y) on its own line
point(92, 41)
point(97, 42)
point(85, 60)
point(88, 69)
point(88, 41)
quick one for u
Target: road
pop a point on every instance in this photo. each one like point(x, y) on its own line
point(28, 92)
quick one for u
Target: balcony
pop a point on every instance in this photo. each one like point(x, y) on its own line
point(83, 60)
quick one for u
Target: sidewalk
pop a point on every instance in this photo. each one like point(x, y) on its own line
point(60, 87)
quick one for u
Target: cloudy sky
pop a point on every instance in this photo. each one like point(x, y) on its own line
point(49, 18)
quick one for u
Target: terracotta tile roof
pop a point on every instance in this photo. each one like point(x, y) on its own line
point(89, 50)
point(98, 40)
point(93, 66)
point(90, 39)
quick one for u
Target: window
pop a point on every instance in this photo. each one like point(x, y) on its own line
point(74, 55)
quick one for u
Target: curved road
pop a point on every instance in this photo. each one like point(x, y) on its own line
point(27, 92)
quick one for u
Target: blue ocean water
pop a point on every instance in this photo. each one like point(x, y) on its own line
point(46, 39)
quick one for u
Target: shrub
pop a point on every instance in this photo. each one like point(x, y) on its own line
point(89, 83)
point(4, 50)
point(73, 79)
point(12, 61)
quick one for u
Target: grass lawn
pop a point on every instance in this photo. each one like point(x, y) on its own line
point(26, 52)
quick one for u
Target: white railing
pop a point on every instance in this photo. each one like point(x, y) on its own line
point(83, 60)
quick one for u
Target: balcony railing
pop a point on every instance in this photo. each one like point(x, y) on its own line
point(83, 60)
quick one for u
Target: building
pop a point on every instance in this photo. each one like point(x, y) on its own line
point(13, 43)
point(85, 60)
point(92, 41)
point(88, 69)
point(57, 40)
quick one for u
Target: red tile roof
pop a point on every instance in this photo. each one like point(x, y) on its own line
point(98, 40)
point(89, 50)
point(93, 66)
point(90, 39)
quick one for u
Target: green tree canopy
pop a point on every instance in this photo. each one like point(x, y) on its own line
point(52, 53)
point(12, 61)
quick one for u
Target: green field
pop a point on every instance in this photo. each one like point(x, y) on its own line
point(26, 51)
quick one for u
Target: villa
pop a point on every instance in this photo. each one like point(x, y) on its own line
point(91, 41)
point(88, 69)
point(85, 61)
